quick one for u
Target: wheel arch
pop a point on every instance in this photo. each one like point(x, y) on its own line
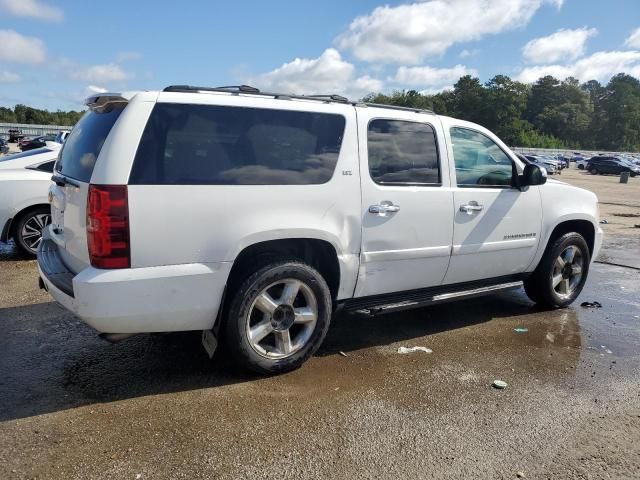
point(582, 224)
point(320, 254)
point(16, 218)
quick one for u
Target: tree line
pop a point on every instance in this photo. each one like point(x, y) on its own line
point(34, 116)
point(549, 113)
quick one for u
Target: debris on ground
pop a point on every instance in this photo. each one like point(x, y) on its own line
point(521, 330)
point(520, 474)
point(342, 353)
point(606, 349)
point(591, 304)
point(499, 384)
point(637, 225)
point(414, 349)
point(604, 221)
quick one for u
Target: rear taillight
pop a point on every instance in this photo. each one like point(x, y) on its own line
point(108, 226)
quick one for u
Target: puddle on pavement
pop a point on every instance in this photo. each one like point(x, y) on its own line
point(473, 343)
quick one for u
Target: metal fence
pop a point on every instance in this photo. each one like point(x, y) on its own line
point(567, 153)
point(31, 130)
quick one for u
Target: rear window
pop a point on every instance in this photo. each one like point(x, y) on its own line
point(83, 145)
point(219, 145)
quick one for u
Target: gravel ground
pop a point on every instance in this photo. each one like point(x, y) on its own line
point(73, 406)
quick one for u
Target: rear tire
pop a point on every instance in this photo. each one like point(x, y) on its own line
point(580, 167)
point(28, 230)
point(594, 171)
point(561, 273)
point(278, 317)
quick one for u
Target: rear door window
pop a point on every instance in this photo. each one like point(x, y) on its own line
point(83, 145)
point(221, 145)
point(402, 153)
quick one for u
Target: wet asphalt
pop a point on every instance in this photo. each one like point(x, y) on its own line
point(155, 406)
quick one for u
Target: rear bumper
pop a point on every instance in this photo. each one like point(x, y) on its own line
point(136, 300)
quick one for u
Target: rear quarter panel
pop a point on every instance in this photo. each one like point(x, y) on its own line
point(181, 224)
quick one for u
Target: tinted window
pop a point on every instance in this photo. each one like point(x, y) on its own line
point(402, 153)
point(218, 145)
point(479, 161)
point(28, 153)
point(83, 145)
point(46, 166)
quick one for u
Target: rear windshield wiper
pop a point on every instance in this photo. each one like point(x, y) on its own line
point(62, 181)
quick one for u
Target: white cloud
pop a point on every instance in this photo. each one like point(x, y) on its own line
point(106, 73)
point(21, 49)
point(406, 34)
point(633, 40)
point(33, 9)
point(431, 78)
point(562, 45)
point(122, 57)
point(327, 74)
point(468, 53)
point(8, 77)
point(600, 66)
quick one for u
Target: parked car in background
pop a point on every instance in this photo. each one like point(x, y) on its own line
point(582, 163)
point(252, 216)
point(36, 142)
point(15, 135)
point(553, 166)
point(531, 159)
point(601, 165)
point(4, 146)
point(564, 161)
point(24, 205)
point(62, 136)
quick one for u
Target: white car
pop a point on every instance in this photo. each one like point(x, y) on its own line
point(24, 187)
point(582, 163)
point(252, 216)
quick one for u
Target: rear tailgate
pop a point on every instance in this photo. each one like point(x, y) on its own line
point(72, 175)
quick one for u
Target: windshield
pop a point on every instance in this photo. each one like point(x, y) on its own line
point(28, 153)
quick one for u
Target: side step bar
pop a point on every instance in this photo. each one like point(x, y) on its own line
point(421, 299)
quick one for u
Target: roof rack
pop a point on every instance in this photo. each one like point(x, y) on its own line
point(249, 90)
point(397, 107)
point(246, 89)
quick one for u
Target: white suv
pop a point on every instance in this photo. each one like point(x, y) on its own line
point(252, 216)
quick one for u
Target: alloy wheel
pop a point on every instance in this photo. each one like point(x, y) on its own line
point(567, 271)
point(282, 318)
point(31, 232)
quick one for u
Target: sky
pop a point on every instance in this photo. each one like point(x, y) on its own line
point(54, 53)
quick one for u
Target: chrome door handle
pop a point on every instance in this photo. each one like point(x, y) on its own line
point(471, 208)
point(384, 207)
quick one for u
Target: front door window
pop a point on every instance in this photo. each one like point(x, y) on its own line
point(479, 161)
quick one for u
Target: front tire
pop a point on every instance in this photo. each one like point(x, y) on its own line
point(594, 171)
point(278, 317)
point(561, 273)
point(28, 230)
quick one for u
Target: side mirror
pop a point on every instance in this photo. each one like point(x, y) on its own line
point(533, 175)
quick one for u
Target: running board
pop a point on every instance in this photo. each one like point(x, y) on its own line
point(421, 299)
